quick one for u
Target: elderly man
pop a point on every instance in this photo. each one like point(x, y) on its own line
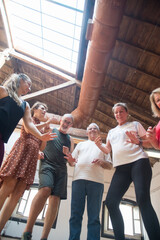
point(88, 183)
point(52, 179)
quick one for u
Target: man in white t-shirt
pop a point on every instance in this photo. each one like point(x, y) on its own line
point(88, 182)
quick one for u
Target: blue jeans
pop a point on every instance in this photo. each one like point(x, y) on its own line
point(93, 191)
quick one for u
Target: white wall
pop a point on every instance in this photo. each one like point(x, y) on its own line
point(62, 229)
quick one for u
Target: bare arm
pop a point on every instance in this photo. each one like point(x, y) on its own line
point(72, 145)
point(48, 121)
point(68, 154)
point(43, 145)
point(151, 137)
point(32, 128)
point(106, 149)
point(40, 155)
point(104, 164)
point(143, 141)
point(72, 161)
point(3, 92)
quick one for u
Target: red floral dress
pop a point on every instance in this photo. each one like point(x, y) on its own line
point(21, 162)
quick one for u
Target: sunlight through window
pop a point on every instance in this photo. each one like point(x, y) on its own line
point(48, 30)
point(132, 220)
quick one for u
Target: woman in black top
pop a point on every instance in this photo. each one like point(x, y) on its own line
point(13, 108)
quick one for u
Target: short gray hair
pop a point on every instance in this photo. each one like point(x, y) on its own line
point(120, 104)
point(94, 125)
point(68, 115)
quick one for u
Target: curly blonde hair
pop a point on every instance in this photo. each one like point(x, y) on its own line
point(12, 84)
point(155, 109)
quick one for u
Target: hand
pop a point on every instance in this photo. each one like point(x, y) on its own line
point(47, 128)
point(48, 136)
point(52, 120)
point(151, 133)
point(40, 155)
point(65, 150)
point(102, 163)
point(98, 141)
point(132, 138)
point(70, 159)
point(97, 161)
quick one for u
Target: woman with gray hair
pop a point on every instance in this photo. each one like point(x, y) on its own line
point(131, 165)
point(13, 108)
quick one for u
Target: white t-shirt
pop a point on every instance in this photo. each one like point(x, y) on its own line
point(85, 153)
point(122, 151)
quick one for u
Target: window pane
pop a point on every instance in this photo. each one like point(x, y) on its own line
point(63, 40)
point(132, 226)
point(137, 227)
point(110, 224)
point(28, 205)
point(128, 218)
point(25, 195)
point(33, 4)
point(136, 213)
point(42, 26)
point(22, 206)
point(45, 210)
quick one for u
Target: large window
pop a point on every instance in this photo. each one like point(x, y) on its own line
point(131, 217)
point(23, 208)
point(48, 30)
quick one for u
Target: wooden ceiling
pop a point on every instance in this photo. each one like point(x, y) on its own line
point(133, 70)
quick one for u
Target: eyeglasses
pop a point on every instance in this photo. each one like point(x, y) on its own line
point(67, 122)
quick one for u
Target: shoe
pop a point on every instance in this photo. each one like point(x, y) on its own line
point(26, 236)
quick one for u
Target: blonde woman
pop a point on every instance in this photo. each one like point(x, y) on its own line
point(153, 134)
point(18, 170)
point(13, 108)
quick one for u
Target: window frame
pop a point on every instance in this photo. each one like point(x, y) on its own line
point(83, 43)
point(109, 233)
point(19, 217)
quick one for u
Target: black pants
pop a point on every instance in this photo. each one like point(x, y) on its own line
point(140, 173)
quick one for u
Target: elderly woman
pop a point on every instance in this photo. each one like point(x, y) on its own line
point(18, 170)
point(13, 108)
point(131, 165)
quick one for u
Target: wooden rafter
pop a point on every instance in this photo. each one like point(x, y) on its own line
point(134, 110)
point(48, 90)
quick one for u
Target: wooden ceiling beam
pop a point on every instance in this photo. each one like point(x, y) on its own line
point(139, 48)
point(47, 90)
point(135, 110)
point(135, 70)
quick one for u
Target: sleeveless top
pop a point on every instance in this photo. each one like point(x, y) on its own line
point(10, 114)
point(53, 153)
